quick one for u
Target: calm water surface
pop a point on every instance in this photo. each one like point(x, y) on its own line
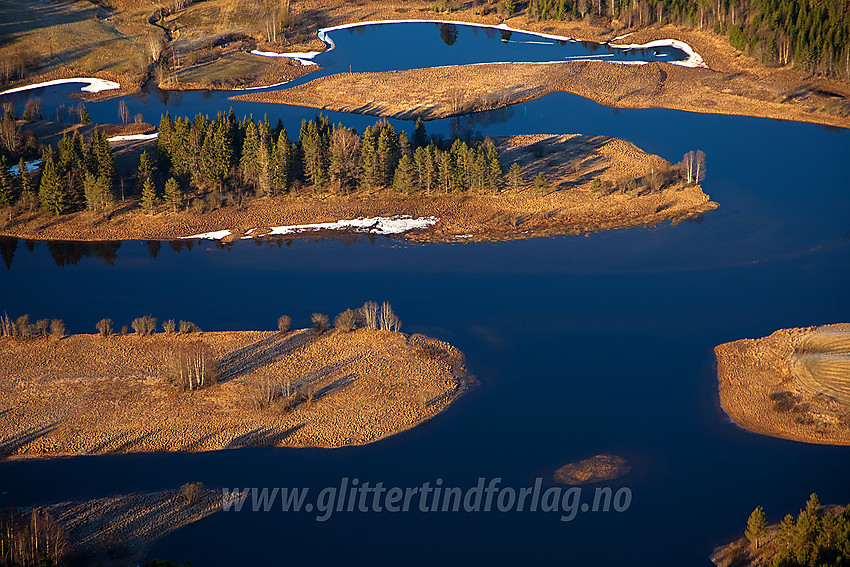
point(583, 345)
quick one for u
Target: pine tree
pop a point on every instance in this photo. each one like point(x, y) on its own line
point(404, 175)
point(756, 526)
point(173, 194)
point(6, 189)
point(51, 190)
point(149, 200)
point(420, 137)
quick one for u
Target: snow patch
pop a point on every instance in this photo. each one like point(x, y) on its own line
point(30, 165)
point(375, 225)
point(133, 137)
point(693, 60)
point(92, 85)
point(304, 57)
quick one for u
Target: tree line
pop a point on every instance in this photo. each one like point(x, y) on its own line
point(815, 537)
point(813, 35)
point(236, 159)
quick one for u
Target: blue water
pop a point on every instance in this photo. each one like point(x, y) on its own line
point(583, 345)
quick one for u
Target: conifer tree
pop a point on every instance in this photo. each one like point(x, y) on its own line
point(515, 178)
point(98, 193)
point(404, 175)
point(84, 116)
point(281, 164)
point(149, 199)
point(387, 154)
point(249, 162)
point(145, 170)
point(369, 158)
point(404, 148)
point(51, 190)
point(420, 137)
point(165, 142)
point(173, 194)
point(6, 189)
point(756, 526)
point(494, 169)
point(27, 197)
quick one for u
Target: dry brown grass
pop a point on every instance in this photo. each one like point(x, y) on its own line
point(90, 395)
point(595, 469)
point(761, 389)
point(571, 206)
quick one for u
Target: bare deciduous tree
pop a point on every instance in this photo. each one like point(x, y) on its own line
point(388, 321)
point(192, 366)
point(123, 112)
point(369, 315)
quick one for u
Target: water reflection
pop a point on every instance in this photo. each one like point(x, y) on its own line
point(448, 32)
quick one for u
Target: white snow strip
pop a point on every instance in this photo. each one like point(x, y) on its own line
point(217, 235)
point(31, 166)
point(133, 137)
point(534, 42)
point(463, 236)
point(305, 58)
point(622, 36)
point(92, 85)
point(375, 225)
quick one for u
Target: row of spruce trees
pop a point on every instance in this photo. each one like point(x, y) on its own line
point(76, 176)
point(233, 157)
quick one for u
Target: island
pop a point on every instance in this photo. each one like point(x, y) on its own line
point(793, 384)
point(595, 469)
point(180, 389)
point(334, 178)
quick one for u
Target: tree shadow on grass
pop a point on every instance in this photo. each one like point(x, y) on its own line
point(261, 353)
point(11, 444)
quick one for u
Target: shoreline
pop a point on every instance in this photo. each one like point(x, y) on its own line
point(571, 205)
point(765, 389)
point(60, 396)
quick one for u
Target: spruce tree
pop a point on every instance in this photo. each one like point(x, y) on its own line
point(494, 171)
point(515, 178)
point(165, 142)
point(27, 197)
point(145, 171)
point(387, 154)
point(149, 200)
point(84, 116)
point(98, 193)
point(404, 175)
point(51, 190)
point(404, 148)
point(420, 137)
point(249, 162)
point(281, 164)
point(173, 194)
point(756, 526)
point(6, 189)
point(369, 159)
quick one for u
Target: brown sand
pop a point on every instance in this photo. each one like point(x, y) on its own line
point(595, 469)
point(90, 395)
point(761, 391)
point(571, 206)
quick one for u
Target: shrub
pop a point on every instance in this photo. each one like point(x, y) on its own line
point(389, 321)
point(22, 325)
point(168, 327)
point(57, 329)
point(306, 394)
point(320, 322)
point(192, 492)
point(192, 366)
point(7, 326)
point(284, 323)
point(104, 327)
point(124, 330)
point(346, 321)
point(41, 327)
point(369, 315)
point(144, 326)
point(270, 395)
point(187, 327)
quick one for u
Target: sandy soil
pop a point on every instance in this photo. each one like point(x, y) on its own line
point(448, 91)
point(119, 530)
point(89, 395)
point(570, 206)
point(595, 469)
point(762, 390)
